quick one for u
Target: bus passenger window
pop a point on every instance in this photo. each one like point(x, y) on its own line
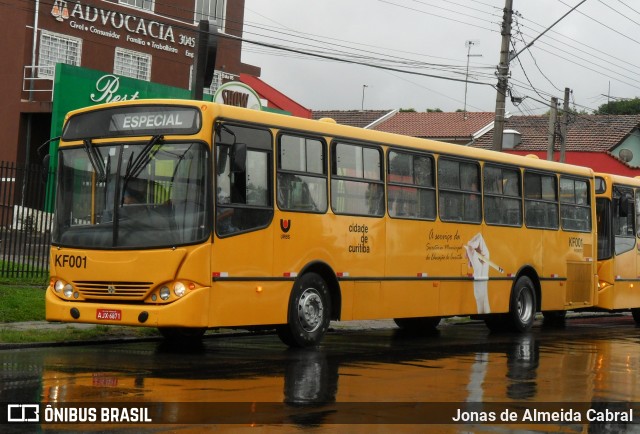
point(575, 212)
point(243, 196)
point(623, 219)
point(302, 179)
point(540, 200)
point(502, 197)
point(459, 191)
point(357, 186)
point(411, 186)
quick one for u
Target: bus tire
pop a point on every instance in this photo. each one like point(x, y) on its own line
point(635, 312)
point(420, 325)
point(309, 312)
point(177, 334)
point(522, 306)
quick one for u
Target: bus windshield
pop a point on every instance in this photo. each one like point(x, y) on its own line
point(125, 196)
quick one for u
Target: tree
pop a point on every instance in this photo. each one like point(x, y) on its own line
point(622, 107)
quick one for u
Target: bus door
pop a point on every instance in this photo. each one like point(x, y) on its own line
point(242, 250)
point(625, 248)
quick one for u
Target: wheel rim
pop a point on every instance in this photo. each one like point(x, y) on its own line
point(310, 310)
point(525, 305)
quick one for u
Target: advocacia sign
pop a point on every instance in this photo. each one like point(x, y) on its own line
point(124, 27)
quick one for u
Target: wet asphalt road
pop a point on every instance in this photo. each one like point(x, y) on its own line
point(360, 375)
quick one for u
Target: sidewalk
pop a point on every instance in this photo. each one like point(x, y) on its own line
point(118, 333)
point(44, 325)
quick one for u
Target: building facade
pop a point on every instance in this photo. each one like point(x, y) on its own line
point(148, 40)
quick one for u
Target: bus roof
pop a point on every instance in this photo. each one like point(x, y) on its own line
point(213, 111)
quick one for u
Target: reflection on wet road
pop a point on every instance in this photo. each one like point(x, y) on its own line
point(361, 376)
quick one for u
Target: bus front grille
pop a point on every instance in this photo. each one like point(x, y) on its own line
point(113, 290)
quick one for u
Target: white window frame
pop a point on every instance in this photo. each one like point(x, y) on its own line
point(215, 83)
point(132, 3)
point(52, 53)
point(124, 70)
point(209, 10)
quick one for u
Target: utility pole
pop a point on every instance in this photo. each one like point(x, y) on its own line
point(551, 137)
point(564, 127)
point(503, 72)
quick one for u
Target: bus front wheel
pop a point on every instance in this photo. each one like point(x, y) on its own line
point(522, 307)
point(309, 312)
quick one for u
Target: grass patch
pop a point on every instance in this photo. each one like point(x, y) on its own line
point(23, 275)
point(21, 303)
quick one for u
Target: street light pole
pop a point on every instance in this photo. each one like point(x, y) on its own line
point(469, 44)
point(363, 88)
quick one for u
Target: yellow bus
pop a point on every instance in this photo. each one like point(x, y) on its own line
point(618, 219)
point(188, 215)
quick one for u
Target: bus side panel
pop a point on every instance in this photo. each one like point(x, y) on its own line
point(409, 292)
point(553, 271)
point(511, 249)
point(359, 254)
point(567, 272)
point(626, 291)
point(249, 303)
point(240, 265)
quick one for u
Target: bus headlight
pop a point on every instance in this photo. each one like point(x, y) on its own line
point(179, 289)
point(67, 290)
point(165, 293)
point(58, 286)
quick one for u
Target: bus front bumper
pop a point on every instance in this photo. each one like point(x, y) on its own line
point(189, 311)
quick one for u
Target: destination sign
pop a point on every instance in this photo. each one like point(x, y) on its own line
point(133, 121)
point(179, 119)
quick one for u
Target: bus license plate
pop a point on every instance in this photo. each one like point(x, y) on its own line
point(109, 314)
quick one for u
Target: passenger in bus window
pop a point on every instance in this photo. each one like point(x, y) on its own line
point(133, 192)
point(472, 204)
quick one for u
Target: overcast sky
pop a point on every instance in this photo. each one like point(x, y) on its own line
point(593, 49)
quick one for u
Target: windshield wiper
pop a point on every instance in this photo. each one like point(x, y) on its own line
point(134, 168)
point(95, 158)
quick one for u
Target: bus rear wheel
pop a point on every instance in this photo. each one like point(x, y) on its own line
point(522, 307)
point(309, 312)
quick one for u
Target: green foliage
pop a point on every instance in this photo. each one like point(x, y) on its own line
point(21, 303)
point(407, 110)
point(435, 110)
point(622, 107)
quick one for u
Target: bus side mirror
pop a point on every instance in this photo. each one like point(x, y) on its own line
point(625, 206)
point(239, 157)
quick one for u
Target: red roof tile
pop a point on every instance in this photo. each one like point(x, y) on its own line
point(586, 133)
point(354, 118)
point(437, 124)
